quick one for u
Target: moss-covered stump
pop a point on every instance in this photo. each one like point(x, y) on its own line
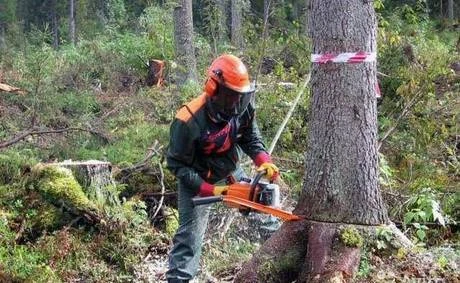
point(94, 176)
point(58, 186)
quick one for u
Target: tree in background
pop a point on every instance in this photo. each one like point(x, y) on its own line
point(183, 37)
point(236, 26)
point(341, 179)
point(72, 25)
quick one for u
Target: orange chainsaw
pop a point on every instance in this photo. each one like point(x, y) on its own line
point(251, 195)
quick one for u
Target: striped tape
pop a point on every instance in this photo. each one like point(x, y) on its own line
point(348, 57)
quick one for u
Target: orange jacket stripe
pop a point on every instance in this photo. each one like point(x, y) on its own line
point(193, 106)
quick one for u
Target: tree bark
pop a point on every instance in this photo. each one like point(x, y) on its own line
point(341, 177)
point(450, 10)
point(72, 35)
point(236, 27)
point(183, 36)
point(341, 161)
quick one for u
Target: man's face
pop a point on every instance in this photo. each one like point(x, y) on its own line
point(230, 102)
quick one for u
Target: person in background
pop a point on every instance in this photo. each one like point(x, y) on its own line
point(207, 139)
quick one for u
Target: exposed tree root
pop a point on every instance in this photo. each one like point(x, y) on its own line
point(310, 251)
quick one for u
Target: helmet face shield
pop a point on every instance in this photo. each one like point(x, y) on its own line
point(230, 103)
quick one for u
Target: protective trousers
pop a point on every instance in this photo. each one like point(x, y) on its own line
point(184, 258)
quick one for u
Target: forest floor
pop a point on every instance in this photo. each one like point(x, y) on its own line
point(421, 264)
point(437, 264)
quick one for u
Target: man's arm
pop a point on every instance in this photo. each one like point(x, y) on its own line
point(251, 140)
point(181, 154)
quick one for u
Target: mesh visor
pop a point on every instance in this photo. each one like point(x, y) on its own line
point(230, 102)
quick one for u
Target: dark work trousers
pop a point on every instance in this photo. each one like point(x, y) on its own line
point(184, 258)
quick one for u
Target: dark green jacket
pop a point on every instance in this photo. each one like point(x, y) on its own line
point(203, 150)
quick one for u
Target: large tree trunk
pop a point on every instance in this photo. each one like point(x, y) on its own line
point(72, 21)
point(341, 178)
point(183, 36)
point(236, 27)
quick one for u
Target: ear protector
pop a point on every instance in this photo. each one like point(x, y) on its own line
point(212, 83)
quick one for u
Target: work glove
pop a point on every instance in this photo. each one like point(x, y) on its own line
point(272, 172)
point(208, 190)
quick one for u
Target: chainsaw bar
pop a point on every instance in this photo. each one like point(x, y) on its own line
point(287, 216)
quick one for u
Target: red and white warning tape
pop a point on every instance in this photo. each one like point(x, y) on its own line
point(348, 57)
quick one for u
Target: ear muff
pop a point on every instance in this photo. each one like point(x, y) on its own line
point(211, 86)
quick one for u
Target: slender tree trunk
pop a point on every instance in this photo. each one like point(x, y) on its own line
point(183, 36)
point(2, 36)
point(72, 35)
point(222, 20)
point(307, 17)
point(236, 28)
point(54, 24)
point(340, 186)
point(450, 10)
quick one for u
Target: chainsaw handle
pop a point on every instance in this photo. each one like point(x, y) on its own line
point(206, 200)
point(255, 182)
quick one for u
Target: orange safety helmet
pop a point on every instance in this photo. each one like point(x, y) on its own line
point(228, 87)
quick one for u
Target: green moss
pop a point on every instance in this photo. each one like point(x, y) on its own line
point(171, 221)
point(59, 186)
point(351, 237)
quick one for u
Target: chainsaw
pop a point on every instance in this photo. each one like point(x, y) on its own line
point(251, 195)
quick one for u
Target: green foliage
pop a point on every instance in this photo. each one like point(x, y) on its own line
point(424, 207)
point(13, 163)
point(384, 238)
point(22, 262)
point(364, 268)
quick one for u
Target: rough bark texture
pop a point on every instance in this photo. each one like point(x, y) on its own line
point(236, 27)
point(183, 36)
point(341, 177)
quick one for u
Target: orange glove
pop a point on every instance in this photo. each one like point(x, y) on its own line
point(272, 171)
point(208, 190)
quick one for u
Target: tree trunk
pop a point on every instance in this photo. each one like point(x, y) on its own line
point(72, 22)
point(54, 24)
point(341, 178)
point(307, 18)
point(183, 37)
point(236, 28)
point(450, 10)
point(222, 20)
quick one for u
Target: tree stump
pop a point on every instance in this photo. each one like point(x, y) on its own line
point(155, 74)
point(95, 177)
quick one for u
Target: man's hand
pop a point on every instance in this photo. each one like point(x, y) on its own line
point(272, 171)
point(208, 190)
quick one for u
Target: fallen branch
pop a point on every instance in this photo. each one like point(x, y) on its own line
point(143, 165)
point(160, 204)
point(36, 131)
point(11, 89)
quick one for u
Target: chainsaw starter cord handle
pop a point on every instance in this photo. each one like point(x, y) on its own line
point(206, 200)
